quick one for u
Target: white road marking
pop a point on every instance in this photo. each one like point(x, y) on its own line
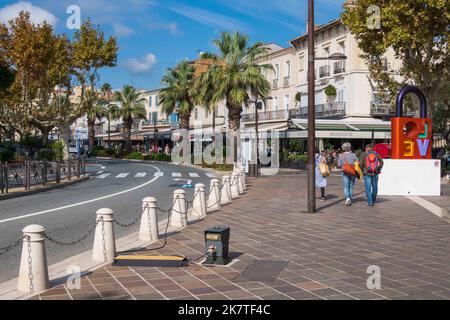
point(100, 172)
point(122, 175)
point(176, 174)
point(103, 176)
point(194, 175)
point(159, 174)
point(140, 174)
point(211, 175)
point(84, 202)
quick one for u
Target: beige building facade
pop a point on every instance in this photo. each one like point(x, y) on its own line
point(354, 113)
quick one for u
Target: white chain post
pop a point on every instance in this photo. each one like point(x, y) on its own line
point(33, 271)
point(149, 220)
point(199, 204)
point(242, 171)
point(179, 215)
point(104, 242)
point(241, 181)
point(225, 197)
point(214, 196)
point(234, 183)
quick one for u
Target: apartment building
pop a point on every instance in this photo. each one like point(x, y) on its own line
point(355, 112)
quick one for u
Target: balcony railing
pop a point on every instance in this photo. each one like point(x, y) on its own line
point(324, 71)
point(383, 109)
point(339, 67)
point(286, 81)
point(264, 116)
point(323, 111)
point(158, 123)
point(275, 84)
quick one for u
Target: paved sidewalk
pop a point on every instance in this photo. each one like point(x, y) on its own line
point(319, 256)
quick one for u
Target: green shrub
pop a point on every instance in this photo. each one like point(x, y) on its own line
point(298, 157)
point(57, 148)
point(330, 90)
point(135, 155)
point(46, 154)
point(32, 142)
point(147, 157)
point(161, 157)
point(7, 155)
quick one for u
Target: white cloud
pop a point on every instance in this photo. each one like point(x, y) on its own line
point(37, 14)
point(122, 31)
point(141, 66)
point(171, 27)
point(208, 18)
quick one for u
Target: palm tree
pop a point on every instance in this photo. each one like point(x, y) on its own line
point(178, 93)
point(110, 109)
point(234, 75)
point(132, 107)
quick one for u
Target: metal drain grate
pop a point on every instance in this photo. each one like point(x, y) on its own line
point(262, 271)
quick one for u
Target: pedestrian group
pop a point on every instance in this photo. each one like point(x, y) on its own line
point(367, 167)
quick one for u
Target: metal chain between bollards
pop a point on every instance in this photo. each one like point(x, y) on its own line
point(105, 255)
point(149, 224)
point(30, 264)
point(11, 246)
point(71, 243)
point(125, 225)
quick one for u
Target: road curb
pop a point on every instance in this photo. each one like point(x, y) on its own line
point(42, 189)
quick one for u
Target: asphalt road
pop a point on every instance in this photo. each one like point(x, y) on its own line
point(69, 212)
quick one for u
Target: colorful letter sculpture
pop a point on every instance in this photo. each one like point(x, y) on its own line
point(411, 138)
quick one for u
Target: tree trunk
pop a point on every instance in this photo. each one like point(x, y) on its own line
point(91, 130)
point(127, 131)
point(64, 136)
point(234, 116)
point(234, 123)
point(184, 121)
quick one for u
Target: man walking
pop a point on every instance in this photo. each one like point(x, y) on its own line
point(346, 162)
point(371, 165)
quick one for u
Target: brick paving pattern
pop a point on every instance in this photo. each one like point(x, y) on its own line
point(327, 253)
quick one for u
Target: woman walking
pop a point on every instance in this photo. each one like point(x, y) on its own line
point(321, 181)
point(347, 164)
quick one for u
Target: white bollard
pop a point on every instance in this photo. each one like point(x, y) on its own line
point(214, 196)
point(104, 242)
point(179, 215)
point(234, 184)
point(225, 195)
point(199, 203)
point(241, 180)
point(33, 271)
point(244, 178)
point(149, 220)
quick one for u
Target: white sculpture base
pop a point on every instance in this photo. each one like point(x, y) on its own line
point(401, 177)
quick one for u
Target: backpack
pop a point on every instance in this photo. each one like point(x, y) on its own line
point(372, 163)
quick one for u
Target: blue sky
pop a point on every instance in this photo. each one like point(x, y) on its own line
point(155, 34)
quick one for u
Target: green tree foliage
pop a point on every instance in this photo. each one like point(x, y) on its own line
point(418, 33)
point(234, 75)
point(178, 92)
point(92, 52)
point(131, 108)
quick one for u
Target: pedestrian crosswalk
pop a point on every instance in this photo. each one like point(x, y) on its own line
point(140, 174)
point(122, 175)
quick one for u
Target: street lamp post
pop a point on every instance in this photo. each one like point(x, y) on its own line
point(311, 111)
point(311, 107)
point(258, 106)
